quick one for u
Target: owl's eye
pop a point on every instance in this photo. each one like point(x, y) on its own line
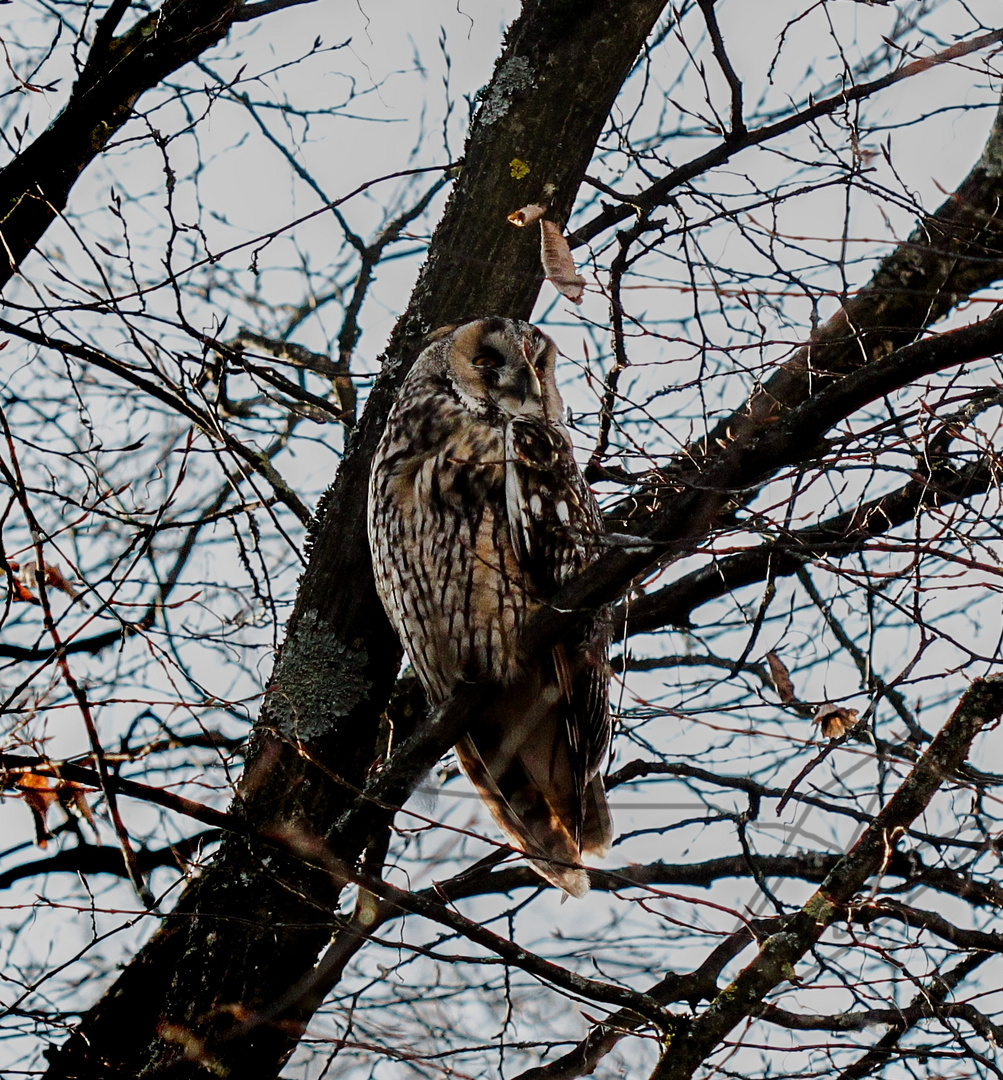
point(488, 358)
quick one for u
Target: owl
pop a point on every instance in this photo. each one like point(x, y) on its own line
point(478, 514)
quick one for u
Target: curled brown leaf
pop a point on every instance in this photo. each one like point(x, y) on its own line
point(835, 720)
point(781, 677)
point(526, 215)
point(558, 264)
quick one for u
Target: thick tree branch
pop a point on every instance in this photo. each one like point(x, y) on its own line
point(840, 536)
point(35, 185)
point(13, 766)
point(684, 515)
point(931, 921)
point(88, 859)
point(265, 7)
point(951, 254)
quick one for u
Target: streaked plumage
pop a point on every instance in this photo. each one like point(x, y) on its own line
point(478, 514)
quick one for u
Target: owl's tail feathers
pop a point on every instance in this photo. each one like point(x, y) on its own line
point(526, 818)
point(597, 827)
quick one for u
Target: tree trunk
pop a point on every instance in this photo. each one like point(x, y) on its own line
point(250, 928)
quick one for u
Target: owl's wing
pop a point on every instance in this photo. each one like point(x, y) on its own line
point(518, 756)
point(552, 516)
point(553, 523)
point(521, 807)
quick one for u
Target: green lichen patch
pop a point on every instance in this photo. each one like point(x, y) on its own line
point(319, 680)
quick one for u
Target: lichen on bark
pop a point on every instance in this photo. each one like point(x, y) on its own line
point(991, 161)
point(514, 78)
point(318, 681)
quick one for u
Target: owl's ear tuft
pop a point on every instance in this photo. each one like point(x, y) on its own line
point(439, 333)
point(442, 332)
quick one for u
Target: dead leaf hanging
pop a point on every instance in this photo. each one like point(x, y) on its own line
point(41, 792)
point(781, 678)
point(23, 578)
point(835, 720)
point(558, 264)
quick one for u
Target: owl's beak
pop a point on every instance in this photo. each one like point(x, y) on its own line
point(527, 384)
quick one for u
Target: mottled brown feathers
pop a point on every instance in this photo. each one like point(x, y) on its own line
point(478, 514)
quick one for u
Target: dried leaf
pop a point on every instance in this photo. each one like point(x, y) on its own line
point(836, 720)
point(38, 797)
point(527, 215)
point(25, 579)
point(781, 677)
point(39, 794)
point(55, 580)
point(558, 264)
point(19, 591)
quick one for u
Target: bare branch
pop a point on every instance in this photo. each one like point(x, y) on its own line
point(982, 704)
point(659, 192)
point(176, 400)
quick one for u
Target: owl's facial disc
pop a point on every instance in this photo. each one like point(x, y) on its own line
point(509, 379)
point(504, 365)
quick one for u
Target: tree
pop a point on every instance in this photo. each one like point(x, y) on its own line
point(791, 413)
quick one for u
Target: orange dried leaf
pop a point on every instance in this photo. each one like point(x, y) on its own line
point(781, 677)
point(558, 264)
point(38, 796)
point(527, 215)
point(74, 795)
point(19, 592)
point(41, 792)
point(35, 787)
point(25, 578)
point(836, 720)
point(55, 579)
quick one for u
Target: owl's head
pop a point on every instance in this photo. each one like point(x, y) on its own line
point(497, 364)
